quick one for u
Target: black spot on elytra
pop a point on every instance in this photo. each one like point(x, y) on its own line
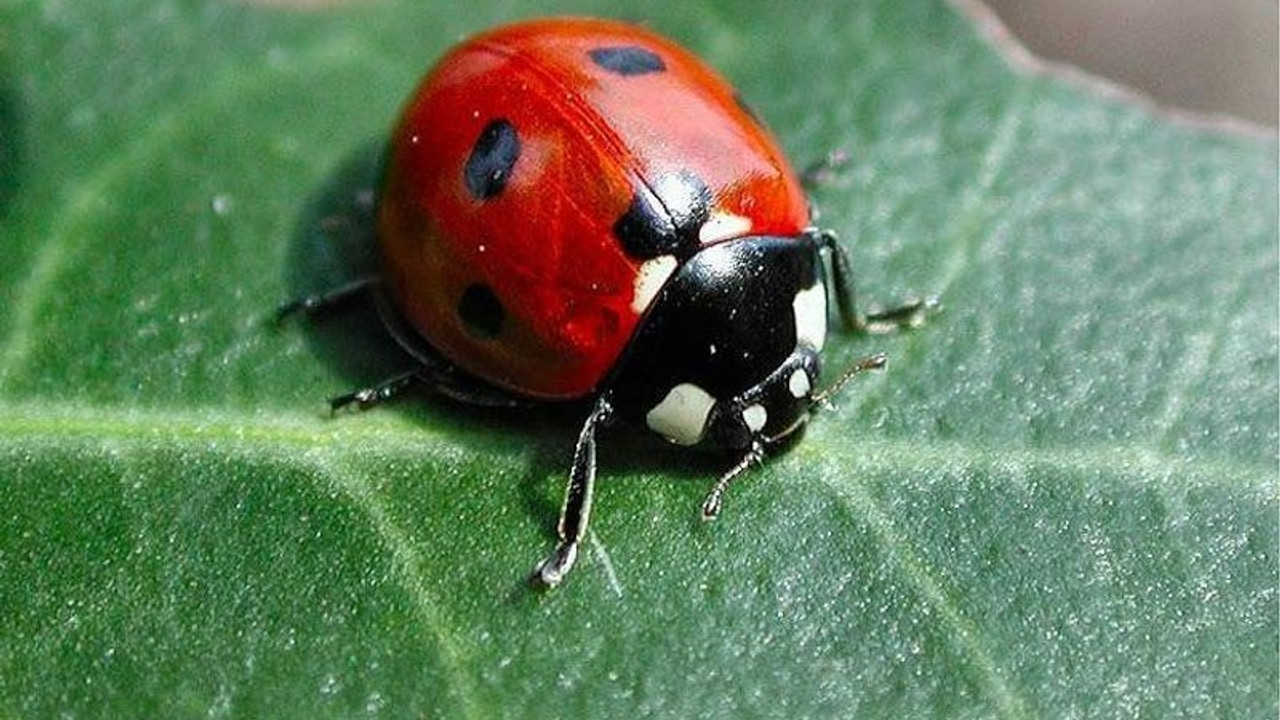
point(627, 60)
point(481, 311)
point(664, 219)
point(492, 158)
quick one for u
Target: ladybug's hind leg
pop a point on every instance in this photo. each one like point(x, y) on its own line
point(318, 303)
point(438, 377)
point(367, 397)
point(577, 499)
point(434, 373)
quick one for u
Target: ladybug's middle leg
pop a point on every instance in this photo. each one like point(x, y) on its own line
point(442, 379)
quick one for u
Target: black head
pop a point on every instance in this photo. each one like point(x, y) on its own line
point(728, 353)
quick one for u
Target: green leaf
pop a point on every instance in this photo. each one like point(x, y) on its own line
point(1059, 500)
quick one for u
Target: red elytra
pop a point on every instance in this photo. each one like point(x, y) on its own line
point(512, 170)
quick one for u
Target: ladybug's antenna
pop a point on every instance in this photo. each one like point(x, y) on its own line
point(755, 454)
point(822, 398)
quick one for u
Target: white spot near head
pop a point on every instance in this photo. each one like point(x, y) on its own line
point(723, 226)
point(755, 417)
point(652, 276)
point(799, 384)
point(811, 316)
point(681, 417)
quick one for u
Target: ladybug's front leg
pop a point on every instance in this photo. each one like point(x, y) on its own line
point(577, 499)
point(908, 314)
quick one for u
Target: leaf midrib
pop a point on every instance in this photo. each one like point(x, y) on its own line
point(280, 434)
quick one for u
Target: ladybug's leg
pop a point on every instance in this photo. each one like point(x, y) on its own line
point(437, 373)
point(451, 383)
point(908, 314)
point(322, 302)
point(822, 398)
point(744, 421)
point(754, 456)
point(365, 398)
point(760, 442)
point(577, 499)
point(443, 379)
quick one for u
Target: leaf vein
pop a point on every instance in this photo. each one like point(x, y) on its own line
point(408, 563)
point(965, 634)
point(26, 424)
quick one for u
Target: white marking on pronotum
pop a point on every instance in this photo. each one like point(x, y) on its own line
point(652, 276)
point(723, 226)
point(799, 384)
point(755, 416)
point(681, 417)
point(811, 316)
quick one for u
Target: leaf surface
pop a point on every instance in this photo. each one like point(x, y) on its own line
point(1059, 501)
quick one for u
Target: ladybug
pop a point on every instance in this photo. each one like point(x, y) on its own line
point(580, 210)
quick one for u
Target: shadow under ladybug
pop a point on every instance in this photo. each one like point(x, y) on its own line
point(546, 252)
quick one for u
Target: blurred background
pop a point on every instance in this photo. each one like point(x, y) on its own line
point(1209, 56)
point(1219, 57)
